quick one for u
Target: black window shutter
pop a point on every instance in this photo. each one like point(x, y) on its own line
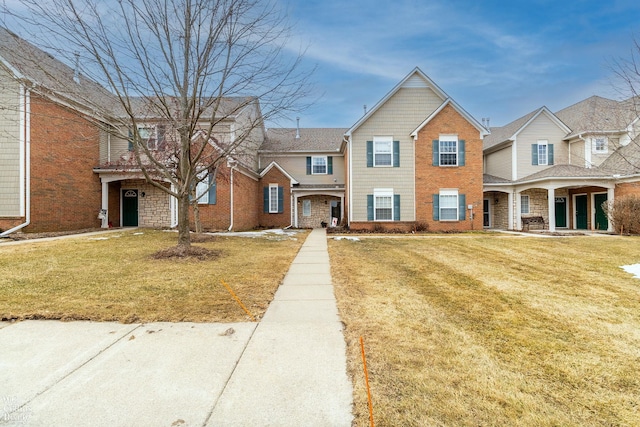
point(396, 207)
point(396, 154)
point(369, 207)
point(330, 165)
point(266, 199)
point(369, 154)
point(462, 207)
point(461, 152)
point(308, 165)
point(212, 191)
point(534, 154)
point(436, 207)
point(550, 154)
point(436, 152)
point(280, 199)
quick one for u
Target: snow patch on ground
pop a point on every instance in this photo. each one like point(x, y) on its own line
point(353, 239)
point(633, 269)
point(273, 234)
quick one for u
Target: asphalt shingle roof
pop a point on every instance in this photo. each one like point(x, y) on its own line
point(502, 134)
point(597, 114)
point(311, 139)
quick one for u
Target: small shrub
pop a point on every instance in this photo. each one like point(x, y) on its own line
point(378, 228)
point(420, 226)
point(624, 214)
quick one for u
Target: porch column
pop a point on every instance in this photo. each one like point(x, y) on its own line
point(515, 222)
point(341, 208)
point(551, 202)
point(173, 208)
point(610, 199)
point(104, 213)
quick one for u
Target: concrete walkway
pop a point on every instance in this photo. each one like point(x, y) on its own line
point(288, 370)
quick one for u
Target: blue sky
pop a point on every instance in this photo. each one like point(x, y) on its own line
point(497, 59)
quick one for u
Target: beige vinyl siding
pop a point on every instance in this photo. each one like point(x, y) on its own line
point(577, 153)
point(542, 128)
point(499, 163)
point(296, 166)
point(9, 145)
point(398, 117)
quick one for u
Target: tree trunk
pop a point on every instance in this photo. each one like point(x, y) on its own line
point(184, 238)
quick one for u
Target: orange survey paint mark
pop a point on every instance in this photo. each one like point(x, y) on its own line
point(366, 380)
point(238, 299)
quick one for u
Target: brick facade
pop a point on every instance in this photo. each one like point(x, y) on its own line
point(271, 220)
point(65, 193)
point(466, 179)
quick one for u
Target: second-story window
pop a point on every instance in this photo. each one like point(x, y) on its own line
point(382, 151)
point(448, 150)
point(319, 165)
point(543, 153)
point(148, 136)
point(600, 144)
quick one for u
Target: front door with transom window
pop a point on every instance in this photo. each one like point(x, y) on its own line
point(581, 212)
point(129, 208)
point(561, 212)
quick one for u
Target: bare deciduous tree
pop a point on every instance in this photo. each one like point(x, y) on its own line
point(187, 65)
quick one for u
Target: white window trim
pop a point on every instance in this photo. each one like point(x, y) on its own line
point(457, 207)
point(326, 165)
point(605, 148)
point(522, 198)
point(385, 139)
point(202, 188)
point(543, 143)
point(153, 135)
point(306, 203)
point(382, 192)
point(447, 138)
point(272, 198)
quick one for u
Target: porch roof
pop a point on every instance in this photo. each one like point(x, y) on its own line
point(566, 171)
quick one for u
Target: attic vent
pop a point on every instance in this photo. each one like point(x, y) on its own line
point(76, 71)
point(298, 128)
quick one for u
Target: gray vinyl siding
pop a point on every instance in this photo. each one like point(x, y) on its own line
point(296, 166)
point(499, 163)
point(398, 117)
point(9, 146)
point(541, 128)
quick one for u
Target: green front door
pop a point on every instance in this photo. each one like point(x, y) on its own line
point(561, 212)
point(129, 208)
point(601, 221)
point(581, 212)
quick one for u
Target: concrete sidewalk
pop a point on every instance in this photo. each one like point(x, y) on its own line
point(288, 370)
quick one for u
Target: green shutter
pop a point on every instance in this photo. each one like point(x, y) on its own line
point(369, 154)
point(462, 207)
point(550, 154)
point(461, 153)
point(330, 165)
point(534, 154)
point(396, 154)
point(396, 207)
point(280, 199)
point(308, 165)
point(436, 152)
point(436, 207)
point(212, 191)
point(369, 207)
point(266, 199)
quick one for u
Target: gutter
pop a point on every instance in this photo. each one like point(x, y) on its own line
point(25, 137)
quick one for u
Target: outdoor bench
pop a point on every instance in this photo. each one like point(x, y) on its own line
point(535, 220)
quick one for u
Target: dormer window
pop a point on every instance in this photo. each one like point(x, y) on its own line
point(152, 136)
point(600, 145)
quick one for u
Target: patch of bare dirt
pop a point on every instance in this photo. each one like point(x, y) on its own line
point(191, 252)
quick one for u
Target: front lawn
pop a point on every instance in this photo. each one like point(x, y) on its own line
point(112, 276)
point(472, 330)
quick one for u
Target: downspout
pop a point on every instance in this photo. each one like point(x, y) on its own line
point(25, 137)
point(232, 164)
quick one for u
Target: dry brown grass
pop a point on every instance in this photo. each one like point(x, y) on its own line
point(118, 280)
point(492, 330)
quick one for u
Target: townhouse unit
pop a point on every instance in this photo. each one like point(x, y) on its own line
point(415, 161)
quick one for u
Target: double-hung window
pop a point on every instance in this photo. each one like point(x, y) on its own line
point(202, 187)
point(383, 151)
point(543, 153)
point(273, 198)
point(383, 205)
point(448, 150)
point(449, 205)
point(319, 165)
point(524, 204)
point(148, 136)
